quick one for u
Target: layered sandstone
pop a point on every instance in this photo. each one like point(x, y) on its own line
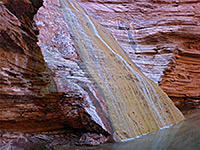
point(34, 98)
point(161, 37)
point(24, 75)
point(129, 96)
point(82, 83)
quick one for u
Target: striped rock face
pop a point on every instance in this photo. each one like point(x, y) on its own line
point(71, 82)
point(134, 105)
point(161, 37)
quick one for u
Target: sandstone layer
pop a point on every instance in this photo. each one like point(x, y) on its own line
point(82, 83)
point(161, 37)
point(34, 98)
point(24, 75)
point(75, 38)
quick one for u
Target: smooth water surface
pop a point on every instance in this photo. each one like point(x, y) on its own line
point(182, 136)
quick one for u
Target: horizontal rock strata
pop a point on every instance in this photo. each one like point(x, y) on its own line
point(82, 83)
point(34, 98)
point(135, 104)
point(161, 37)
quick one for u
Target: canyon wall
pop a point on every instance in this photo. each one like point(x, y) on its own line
point(135, 104)
point(33, 97)
point(82, 83)
point(24, 75)
point(161, 37)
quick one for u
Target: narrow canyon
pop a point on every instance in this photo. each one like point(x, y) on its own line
point(87, 72)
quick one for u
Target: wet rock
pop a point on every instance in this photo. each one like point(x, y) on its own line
point(59, 89)
point(161, 38)
point(81, 105)
point(135, 105)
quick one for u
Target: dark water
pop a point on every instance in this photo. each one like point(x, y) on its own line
point(182, 136)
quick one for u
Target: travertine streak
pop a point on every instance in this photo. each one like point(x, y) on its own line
point(136, 105)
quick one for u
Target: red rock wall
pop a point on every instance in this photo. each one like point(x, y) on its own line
point(54, 94)
point(57, 45)
point(181, 81)
point(23, 74)
point(130, 97)
point(34, 98)
point(161, 37)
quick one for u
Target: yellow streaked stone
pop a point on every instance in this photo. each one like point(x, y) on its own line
point(135, 104)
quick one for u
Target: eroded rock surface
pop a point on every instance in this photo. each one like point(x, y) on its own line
point(85, 84)
point(34, 98)
point(88, 55)
point(160, 36)
point(24, 76)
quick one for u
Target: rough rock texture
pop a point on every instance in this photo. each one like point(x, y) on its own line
point(23, 74)
point(161, 37)
point(42, 141)
point(57, 45)
point(92, 96)
point(34, 98)
point(66, 31)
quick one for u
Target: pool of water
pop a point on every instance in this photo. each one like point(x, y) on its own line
point(182, 136)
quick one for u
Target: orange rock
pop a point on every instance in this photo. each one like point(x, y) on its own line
point(161, 38)
point(33, 98)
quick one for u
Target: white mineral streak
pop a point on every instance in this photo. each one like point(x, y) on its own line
point(128, 120)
